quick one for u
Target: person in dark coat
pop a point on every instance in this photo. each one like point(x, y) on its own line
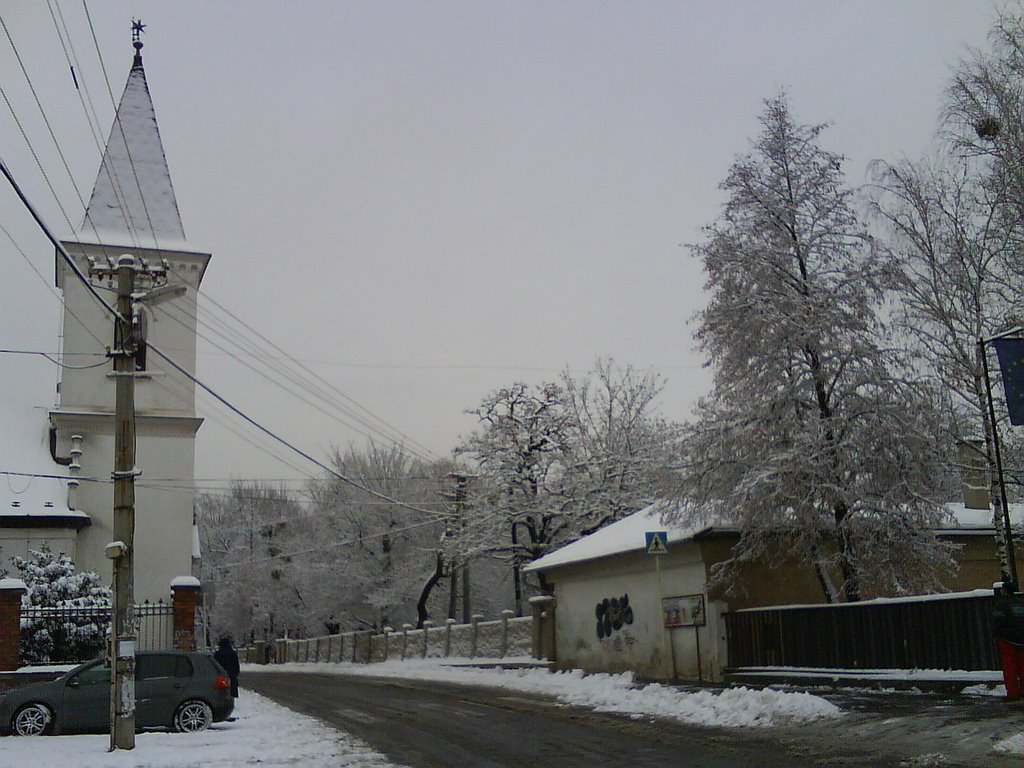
point(227, 657)
point(1008, 627)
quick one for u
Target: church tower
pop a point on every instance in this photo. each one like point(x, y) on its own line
point(132, 210)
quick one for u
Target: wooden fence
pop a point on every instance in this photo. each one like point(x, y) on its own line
point(951, 631)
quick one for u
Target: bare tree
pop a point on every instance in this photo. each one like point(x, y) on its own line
point(814, 440)
point(959, 280)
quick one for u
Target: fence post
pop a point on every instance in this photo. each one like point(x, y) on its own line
point(387, 638)
point(404, 639)
point(185, 592)
point(11, 591)
point(280, 651)
point(475, 623)
point(543, 607)
point(448, 637)
point(426, 634)
point(505, 616)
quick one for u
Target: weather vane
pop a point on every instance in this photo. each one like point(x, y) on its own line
point(137, 29)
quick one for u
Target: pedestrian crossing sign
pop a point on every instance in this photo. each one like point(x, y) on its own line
point(657, 542)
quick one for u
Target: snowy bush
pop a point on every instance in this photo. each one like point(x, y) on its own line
point(78, 605)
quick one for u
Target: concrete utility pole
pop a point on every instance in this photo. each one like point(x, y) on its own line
point(129, 339)
point(460, 512)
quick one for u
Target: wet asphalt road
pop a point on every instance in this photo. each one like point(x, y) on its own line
point(427, 725)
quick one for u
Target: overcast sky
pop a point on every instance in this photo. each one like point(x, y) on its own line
point(425, 201)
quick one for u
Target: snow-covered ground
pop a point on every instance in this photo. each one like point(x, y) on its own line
point(263, 734)
point(266, 734)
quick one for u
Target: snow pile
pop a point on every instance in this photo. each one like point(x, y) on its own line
point(1011, 746)
point(264, 734)
point(740, 707)
point(984, 690)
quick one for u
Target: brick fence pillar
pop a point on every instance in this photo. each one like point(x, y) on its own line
point(11, 591)
point(185, 593)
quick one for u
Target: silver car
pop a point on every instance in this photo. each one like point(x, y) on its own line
point(183, 691)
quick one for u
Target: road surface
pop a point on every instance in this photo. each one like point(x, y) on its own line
point(428, 725)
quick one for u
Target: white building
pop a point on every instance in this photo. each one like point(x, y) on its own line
point(620, 609)
point(132, 210)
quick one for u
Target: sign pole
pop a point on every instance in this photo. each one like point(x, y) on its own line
point(657, 545)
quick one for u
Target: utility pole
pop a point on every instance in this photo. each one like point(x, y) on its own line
point(129, 339)
point(460, 513)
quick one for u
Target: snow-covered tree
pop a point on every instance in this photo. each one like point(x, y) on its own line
point(959, 279)
point(623, 451)
point(390, 551)
point(245, 535)
point(984, 124)
point(559, 460)
point(53, 582)
point(814, 440)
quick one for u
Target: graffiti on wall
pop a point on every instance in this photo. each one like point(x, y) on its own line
point(612, 615)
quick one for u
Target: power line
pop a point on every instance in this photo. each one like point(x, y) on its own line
point(92, 289)
point(52, 360)
point(51, 289)
point(298, 382)
point(180, 369)
point(252, 348)
point(324, 381)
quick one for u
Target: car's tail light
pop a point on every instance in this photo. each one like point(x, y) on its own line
point(223, 683)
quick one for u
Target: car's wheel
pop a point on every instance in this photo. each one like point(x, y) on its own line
point(193, 716)
point(32, 720)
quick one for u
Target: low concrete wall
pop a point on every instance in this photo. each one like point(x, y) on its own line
point(494, 639)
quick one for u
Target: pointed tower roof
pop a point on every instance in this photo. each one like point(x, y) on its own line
point(133, 199)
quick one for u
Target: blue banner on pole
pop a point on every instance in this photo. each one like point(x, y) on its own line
point(1011, 363)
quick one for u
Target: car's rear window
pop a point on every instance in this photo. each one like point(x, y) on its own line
point(154, 665)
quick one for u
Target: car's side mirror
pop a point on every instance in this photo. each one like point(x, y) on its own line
point(73, 682)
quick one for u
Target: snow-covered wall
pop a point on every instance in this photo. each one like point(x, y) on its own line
point(609, 616)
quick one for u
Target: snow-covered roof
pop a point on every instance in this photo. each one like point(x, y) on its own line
point(625, 535)
point(978, 520)
point(628, 534)
point(25, 444)
point(133, 201)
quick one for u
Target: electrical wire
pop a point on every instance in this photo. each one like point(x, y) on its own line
point(405, 438)
point(50, 288)
point(181, 370)
point(46, 356)
point(170, 311)
point(89, 285)
point(122, 204)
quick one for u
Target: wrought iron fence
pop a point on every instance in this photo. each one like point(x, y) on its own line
point(70, 634)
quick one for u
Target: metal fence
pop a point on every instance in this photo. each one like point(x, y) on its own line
point(155, 624)
point(939, 632)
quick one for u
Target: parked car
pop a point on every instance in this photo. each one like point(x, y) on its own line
point(183, 691)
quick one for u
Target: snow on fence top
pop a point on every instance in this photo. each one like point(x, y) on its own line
point(974, 593)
